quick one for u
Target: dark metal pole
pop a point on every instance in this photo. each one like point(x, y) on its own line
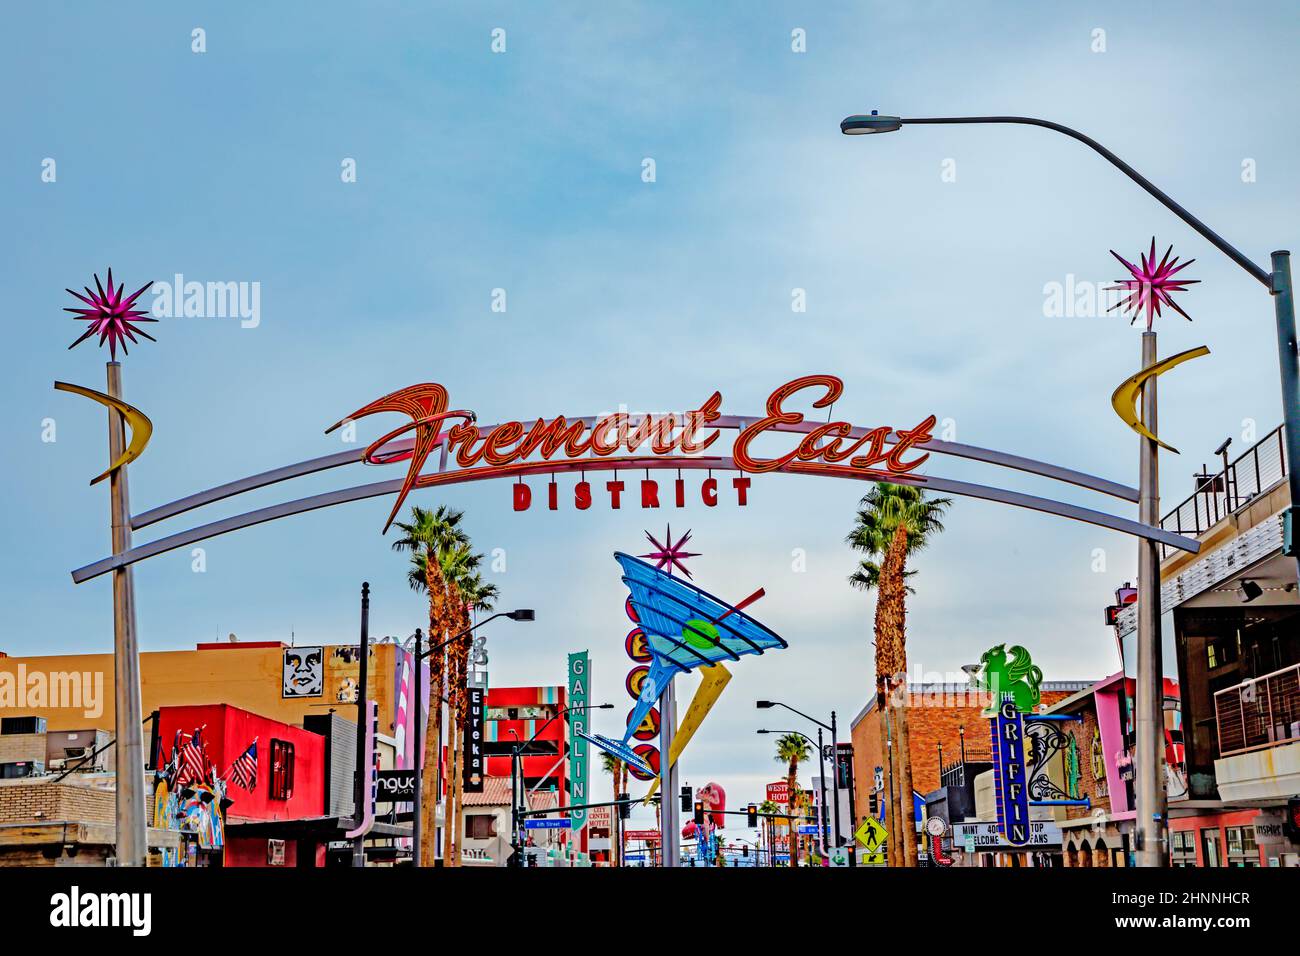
point(363, 772)
point(417, 822)
point(1284, 311)
point(835, 780)
point(823, 824)
point(514, 807)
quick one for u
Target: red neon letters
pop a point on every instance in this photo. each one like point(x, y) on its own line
point(614, 441)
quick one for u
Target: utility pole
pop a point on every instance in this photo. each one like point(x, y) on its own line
point(363, 715)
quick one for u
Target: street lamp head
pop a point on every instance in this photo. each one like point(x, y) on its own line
point(523, 614)
point(604, 707)
point(861, 124)
point(764, 704)
point(762, 731)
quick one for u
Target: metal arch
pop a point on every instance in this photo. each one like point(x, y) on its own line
point(728, 422)
point(392, 486)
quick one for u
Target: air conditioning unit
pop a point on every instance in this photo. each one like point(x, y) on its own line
point(22, 725)
point(21, 768)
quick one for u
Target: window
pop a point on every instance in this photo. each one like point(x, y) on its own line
point(1242, 850)
point(281, 769)
point(1182, 848)
point(480, 826)
point(1210, 846)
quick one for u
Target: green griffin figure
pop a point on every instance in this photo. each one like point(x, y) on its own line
point(1004, 671)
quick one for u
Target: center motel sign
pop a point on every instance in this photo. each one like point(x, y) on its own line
point(514, 449)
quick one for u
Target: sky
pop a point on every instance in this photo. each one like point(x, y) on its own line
point(924, 261)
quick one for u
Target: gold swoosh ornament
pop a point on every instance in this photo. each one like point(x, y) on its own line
point(715, 680)
point(141, 426)
point(1124, 399)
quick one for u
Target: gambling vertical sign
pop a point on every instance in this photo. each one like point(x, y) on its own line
point(579, 756)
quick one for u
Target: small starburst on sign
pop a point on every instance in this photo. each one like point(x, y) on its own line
point(1151, 285)
point(670, 554)
point(111, 315)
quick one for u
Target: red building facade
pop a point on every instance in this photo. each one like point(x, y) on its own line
point(290, 784)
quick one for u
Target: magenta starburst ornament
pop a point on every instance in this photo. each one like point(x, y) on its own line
point(1151, 285)
point(111, 316)
point(670, 554)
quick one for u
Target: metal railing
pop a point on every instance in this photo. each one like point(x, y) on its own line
point(1220, 494)
point(1258, 713)
point(955, 775)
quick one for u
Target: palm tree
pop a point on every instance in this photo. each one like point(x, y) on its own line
point(791, 750)
point(617, 770)
point(893, 522)
point(428, 536)
point(767, 808)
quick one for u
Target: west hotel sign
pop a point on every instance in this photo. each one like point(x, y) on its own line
point(517, 449)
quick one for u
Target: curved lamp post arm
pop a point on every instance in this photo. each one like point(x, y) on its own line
point(1209, 234)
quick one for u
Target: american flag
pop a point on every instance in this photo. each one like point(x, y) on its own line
point(244, 770)
point(193, 759)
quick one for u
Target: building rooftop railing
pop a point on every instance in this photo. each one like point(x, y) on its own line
point(1258, 713)
point(1224, 491)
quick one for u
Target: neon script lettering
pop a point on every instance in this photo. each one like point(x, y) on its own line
point(516, 448)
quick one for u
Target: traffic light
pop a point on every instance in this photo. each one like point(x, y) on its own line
point(624, 806)
point(744, 849)
point(688, 797)
point(751, 816)
point(699, 813)
point(874, 804)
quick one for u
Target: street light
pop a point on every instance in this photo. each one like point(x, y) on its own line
point(417, 823)
point(835, 759)
point(1150, 706)
point(517, 783)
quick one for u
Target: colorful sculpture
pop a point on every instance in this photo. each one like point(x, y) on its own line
point(1004, 671)
point(705, 836)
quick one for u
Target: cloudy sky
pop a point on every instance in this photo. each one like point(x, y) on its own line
point(923, 258)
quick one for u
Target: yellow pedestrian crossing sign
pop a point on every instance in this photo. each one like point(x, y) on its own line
point(872, 837)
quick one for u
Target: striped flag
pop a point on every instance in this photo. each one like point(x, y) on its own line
point(193, 759)
point(244, 770)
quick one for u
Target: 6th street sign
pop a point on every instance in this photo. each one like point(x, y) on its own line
point(547, 824)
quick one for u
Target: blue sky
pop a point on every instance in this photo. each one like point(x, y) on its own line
point(522, 171)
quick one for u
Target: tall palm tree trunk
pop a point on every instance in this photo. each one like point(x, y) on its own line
point(429, 777)
point(905, 783)
point(891, 615)
point(429, 774)
point(791, 790)
point(889, 795)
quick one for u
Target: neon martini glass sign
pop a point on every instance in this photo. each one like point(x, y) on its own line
point(685, 627)
point(515, 448)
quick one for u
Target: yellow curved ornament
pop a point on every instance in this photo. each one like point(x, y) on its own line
point(138, 421)
point(1124, 399)
point(715, 679)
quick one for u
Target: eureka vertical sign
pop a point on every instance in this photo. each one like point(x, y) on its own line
point(579, 678)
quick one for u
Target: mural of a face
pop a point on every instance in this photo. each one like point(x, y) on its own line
point(304, 672)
